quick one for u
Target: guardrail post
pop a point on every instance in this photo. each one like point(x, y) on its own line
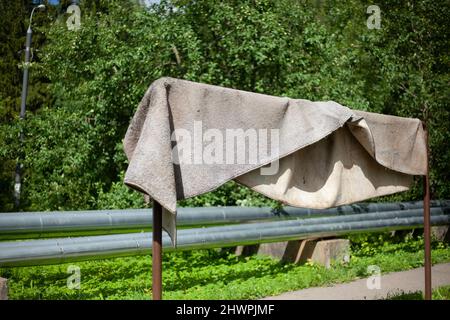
point(426, 220)
point(157, 251)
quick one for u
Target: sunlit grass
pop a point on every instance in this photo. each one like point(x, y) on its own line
point(206, 274)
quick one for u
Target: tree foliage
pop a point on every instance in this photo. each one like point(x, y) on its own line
point(318, 50)
point(11, 39)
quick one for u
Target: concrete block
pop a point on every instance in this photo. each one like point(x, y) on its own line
point(287, 251)
point(3, 289)
point(322, 252)
point(440, 233)
point(305, 251)
point(276, 250)
point(328, 251)
point(247, 250)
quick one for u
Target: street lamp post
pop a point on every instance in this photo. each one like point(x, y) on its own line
point(23, 102)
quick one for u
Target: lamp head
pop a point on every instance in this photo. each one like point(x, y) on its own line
point(40, 7)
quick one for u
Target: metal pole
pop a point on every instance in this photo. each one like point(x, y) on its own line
point(25, 74)
point(157, 252)
point(23, 103)
point(426, 220)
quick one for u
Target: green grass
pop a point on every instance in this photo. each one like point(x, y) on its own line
point(441, 293)
point(210, 274)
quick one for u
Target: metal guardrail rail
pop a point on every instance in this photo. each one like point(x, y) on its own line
point(53, 251)
point(32, 225)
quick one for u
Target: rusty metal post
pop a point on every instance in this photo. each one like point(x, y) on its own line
point(157, 252)
point(426, 221)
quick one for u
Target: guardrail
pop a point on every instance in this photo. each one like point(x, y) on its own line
point(61, 250)
point(32, 225)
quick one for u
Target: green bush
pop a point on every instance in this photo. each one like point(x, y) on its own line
point(97, 75)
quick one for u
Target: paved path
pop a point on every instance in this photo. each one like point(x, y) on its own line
point(391, 283)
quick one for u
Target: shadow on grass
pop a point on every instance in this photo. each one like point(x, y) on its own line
point(187, 271)
point(441, 293)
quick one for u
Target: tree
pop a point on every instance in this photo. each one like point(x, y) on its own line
point(303, 49)
point(14, 16)
point(12, 38)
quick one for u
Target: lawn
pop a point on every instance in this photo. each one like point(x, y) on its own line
point(211, 274)
point(441, 293)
